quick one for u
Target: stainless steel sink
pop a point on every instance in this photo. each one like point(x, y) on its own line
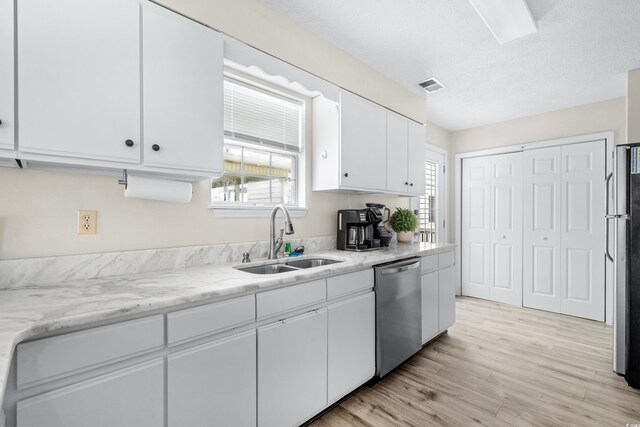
point(280, 267)
point(267, 269)
point(312, 262)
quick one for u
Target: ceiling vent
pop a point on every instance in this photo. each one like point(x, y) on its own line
point(432, 85)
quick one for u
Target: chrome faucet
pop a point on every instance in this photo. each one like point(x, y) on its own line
point(275, 245)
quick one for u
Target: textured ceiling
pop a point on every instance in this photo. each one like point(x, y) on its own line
point(580, 54)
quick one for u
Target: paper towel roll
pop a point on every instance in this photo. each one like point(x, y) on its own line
point(158, 189)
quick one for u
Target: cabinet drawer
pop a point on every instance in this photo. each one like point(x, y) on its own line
point(428, 263)
point(286, 299)
point(446, 259)
point(348, 283)
point(51, 358)
point(200, 321)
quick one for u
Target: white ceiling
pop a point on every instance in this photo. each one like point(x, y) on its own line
point(579, 55)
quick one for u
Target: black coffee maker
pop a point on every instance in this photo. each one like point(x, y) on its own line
point(356, 228)
point(380, 216)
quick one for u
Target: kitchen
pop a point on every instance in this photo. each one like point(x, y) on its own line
point(96, 312)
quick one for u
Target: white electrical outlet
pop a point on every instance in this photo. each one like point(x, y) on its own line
point(87, 222)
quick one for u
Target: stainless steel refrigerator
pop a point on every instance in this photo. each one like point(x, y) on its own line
point(624, 220)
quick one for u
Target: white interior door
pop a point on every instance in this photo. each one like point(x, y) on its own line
point(506, 228)
point(542, 237)
point(583, 237)
point(476, 227)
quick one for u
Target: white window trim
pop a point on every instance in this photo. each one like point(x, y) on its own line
point(237, 210)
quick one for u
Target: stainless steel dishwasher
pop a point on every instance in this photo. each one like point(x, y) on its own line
point(398, 313)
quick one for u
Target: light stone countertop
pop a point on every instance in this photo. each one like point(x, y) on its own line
point(32, 311)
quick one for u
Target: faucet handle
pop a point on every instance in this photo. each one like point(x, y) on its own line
point(245, 257)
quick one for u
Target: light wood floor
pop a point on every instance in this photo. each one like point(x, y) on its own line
point(500, 366)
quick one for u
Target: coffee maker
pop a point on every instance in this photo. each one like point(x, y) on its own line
point(380, 214)
point(356, 230)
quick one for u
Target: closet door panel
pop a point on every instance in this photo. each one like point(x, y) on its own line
point(476, 227)
point(583, 209)
point(506, 228)
point(541, 237)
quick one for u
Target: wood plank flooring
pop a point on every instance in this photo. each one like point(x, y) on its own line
point(500, 365)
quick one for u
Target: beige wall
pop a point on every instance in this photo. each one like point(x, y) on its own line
point(585, 119)
point(38, 210)
point(259, 26)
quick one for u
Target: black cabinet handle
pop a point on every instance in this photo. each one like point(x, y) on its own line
point(155, 147)
point(406, 183)
point(346, 175)
point(0, 122)
point(411, 184)
point(128, 143)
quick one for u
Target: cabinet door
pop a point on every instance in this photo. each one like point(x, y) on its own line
point(131, 397)
point(292, 370)
point(417, 145)
point(430, 303)
point(397, 150)
point(213, 384)
point(7, 123)
point(363, 143)
point(79, 78)
point(446, 298)
point(182, 84)
point(352, 345)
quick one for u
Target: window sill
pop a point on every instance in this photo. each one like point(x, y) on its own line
point(252, 211)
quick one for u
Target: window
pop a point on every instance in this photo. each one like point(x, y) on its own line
point(432, 205)
point(263, 149)
point(428, 205)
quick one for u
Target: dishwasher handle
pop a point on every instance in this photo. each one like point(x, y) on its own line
point(400, 269)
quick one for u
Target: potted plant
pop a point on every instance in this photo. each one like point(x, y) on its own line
point(404, 222)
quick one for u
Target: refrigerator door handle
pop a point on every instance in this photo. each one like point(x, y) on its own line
point(607, 219)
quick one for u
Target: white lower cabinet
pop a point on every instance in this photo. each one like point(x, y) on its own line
point(446, 298)
point(351, 345)
point(130, 397)
point(213, 384)
point(292, 369)
point(438, 294)
point(430, 302)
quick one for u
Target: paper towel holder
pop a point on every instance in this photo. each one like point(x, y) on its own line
point(123, 181)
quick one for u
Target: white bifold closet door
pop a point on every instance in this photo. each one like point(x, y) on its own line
point(492, 218)
point(564, 196)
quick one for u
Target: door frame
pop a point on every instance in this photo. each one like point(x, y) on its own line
point(443, 227)
point(610, 147)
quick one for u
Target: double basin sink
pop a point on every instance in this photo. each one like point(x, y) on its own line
point(281, 267)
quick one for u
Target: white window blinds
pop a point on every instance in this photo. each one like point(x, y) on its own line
point(260, 117)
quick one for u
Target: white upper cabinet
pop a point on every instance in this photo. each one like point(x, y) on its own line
point(406, 141)
point(96, 76)
point(360, 146)
point(397, 144)
point(362, 143)
point(417, 141)
point(79, 78)
point(182, 63)
point(7, 135)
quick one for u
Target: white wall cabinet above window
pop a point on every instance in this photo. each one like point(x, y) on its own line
point(7, 135)
point(360, 146)
point(88, 69)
